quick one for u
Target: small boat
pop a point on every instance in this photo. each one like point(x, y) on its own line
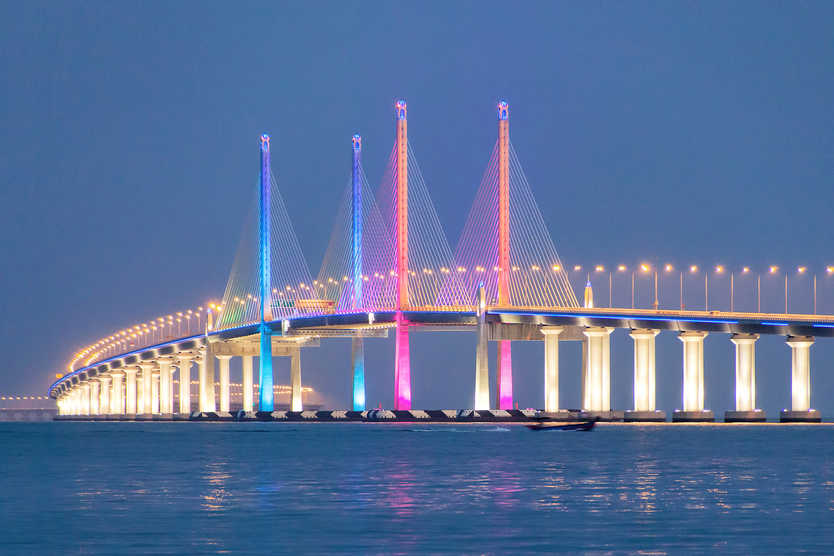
point(562, 426)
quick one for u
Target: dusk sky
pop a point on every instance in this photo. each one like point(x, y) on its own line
point(687, 133)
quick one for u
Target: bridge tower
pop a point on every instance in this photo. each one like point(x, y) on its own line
point(402, 369)
point(505, 361)
point(267, 399)
point(358, 346)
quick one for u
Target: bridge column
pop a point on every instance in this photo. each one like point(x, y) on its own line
point(644, 377)
point(117, 395)
point(551, 367)
point(505, 374)
point(104, 395)
point(247, 384)
point(155, 392)
point(130, 391)
point(207, 394)
point(166, 387)
point(596, 387)
point(75, 404)
point(80, 395)
point(800, 382)
point(85, 398)
point(95, 396)
point(693, 380)
point(140, 385)
point(184, 363)
point(357, 356)
point(745, 381)
point(224, 383)
point(482, 355)
point(145, 389)
point(266, 390)
point(295, 379)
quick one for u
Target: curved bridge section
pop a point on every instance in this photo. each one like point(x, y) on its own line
point(389, 270)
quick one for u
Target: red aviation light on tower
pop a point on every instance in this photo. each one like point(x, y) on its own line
point(357, 143)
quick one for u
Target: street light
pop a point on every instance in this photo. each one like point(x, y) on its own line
point(601, 268)
point(620, 268)
point(668, 268)
point(646, 268)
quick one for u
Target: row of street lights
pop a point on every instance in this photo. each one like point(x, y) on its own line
point(653, 270)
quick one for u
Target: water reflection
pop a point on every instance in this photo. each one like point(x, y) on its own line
point(645, 485)
point(214, 476)
point(368, 489)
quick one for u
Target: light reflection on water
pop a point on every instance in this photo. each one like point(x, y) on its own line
point(251, 487)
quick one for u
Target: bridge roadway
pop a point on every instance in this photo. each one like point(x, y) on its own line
point(155, 363)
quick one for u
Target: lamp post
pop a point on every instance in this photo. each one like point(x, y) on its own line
point(578, 268)
point(645, 268)
point(719, 269)
point(620, 268)
point(668, 268)
point(693, 269)
point(598, 269)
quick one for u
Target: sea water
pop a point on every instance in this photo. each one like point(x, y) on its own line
point(210, 488)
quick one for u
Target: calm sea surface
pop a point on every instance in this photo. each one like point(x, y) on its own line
point(106, 488)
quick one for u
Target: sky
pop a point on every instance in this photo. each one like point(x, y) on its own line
point(688, 133)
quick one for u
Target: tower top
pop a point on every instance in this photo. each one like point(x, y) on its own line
point(357, 142)
point(265, 142)
point(503, 110)
point(401, 109)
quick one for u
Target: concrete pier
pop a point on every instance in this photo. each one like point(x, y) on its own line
point(745, 410)
point(166, 387)
point(551, 367)
point(184, 362)
point(117, 397)
point(224, 383)
point(482, 357)
point(207, 401)
point(95, 396)
point(248, 387)
point(295, 379)
point(800, 411)
point(693, 380)
point(104, 395)
point(130, 392)
point(644, 378)
point(145, 403)
point(596, 373)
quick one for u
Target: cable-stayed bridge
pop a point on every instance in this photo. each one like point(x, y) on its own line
point(390, 270)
